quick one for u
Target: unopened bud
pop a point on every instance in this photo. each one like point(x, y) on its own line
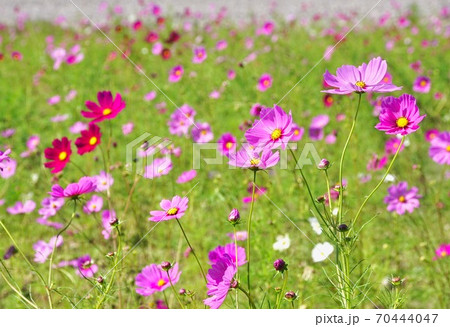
point(166, 265)
point(342, 228)
point(290, 296)
point(324, 164)
point(100, 279)
point(280, 265)
point(182, 291)
point(320, 199)
point(234, 216)
point(234, 283)
point(396, 281)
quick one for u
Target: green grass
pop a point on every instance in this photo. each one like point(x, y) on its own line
point(390, 245)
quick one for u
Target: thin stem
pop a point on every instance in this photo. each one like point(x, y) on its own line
point(130, 194)
point(17, 291)
point(174, 291)
point(329, 193)
point(192, 249)
point(341, 162)
point(252, 304)
point(379, 183)
point(285, 277)
point(249, 225)
point(237, 267)
point(47, 290)
point(79, 168)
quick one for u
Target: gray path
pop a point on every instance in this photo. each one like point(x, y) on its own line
point(237, 9)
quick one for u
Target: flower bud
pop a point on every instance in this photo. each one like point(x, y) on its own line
point(166, 265)
point(290, 296)
point(342, 228)
point(234, 283)
point(320, 199)
point(110, 254)
point(234, 216)
point(182, 291)
point(324, 164)
point(280, 265)
point(100, 279)
point(396, 281)
point(114, 222)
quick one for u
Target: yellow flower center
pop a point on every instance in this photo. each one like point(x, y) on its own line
point(402, 198)
point(432, 136)
point(402, 122)
point(443, 253)
point(62, 156)
point(276, 134)
point(172, 211)
point(178, 72)
point(229, 145)
point(93, 140)
point(296, 132)
point(203, 132)
point(423, 83)
point(266, 82)
point(361, 84)
point(255, 161)
point(448, 148)
point(161, 282)
point(106, 111)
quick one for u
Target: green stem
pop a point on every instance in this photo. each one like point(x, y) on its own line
point(329, 193)
point(19, 293)
point(237, 266)
point(79, 168)
point(249, 225)
point(379, 184)
point(341, 162)
point(285, 277)
point(252, 304)
point(174, 291)
point(192, 249)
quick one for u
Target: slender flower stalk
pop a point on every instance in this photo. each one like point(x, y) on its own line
point(192, 249)
point(252, 304)
point(249, 226)
point(329, 193)
point(174, 291)
point(237, 266)
point(280, 297)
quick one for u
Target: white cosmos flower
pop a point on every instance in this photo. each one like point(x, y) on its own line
point(321, 251)
point(315, 225)
point(282, 243)
point(389, 178)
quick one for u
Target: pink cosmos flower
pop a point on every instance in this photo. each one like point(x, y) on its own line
point(240, 235)
point(127, 128)
point(103, 181)
point(71, 95)
point(221, 45)
point(54, 100)
point(254, 158)
point(7, 133)
point(199, 55)
point(392, 145)
point(78, 127)
point(8, 168)
point(201, 133)
point(431, 134)
point(226, 144)
point(317, 125)
point(399, 115)
point(107, 218)
point(231, 74)
point(422, 84)
point(85, 266)
point(365, 78)
point(85, 185)
point(274, 129)
point(400, 199)
point(181, 119)
point(266, 29)
point(21, 208)
point(95, 204)
point(186, 176)
point(59, 118)
point(172, 209)
point(50, 206)
point(158, 168)
point(43, 249)
point(219, 280)
point(229, 249)
point(442, 251)
point(32, 145)
point(176, 73)
point(4, 158)
point(264, 83)
point(440, 148)
point(107, 107)
point(150, 96)
point(376, 163)
point(256, 109)
point(154, 279)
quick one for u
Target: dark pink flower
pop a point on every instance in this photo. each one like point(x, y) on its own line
point(85, 185)
point(154, 279)
point(107, 107)
point(219, 279)
point(229, 249)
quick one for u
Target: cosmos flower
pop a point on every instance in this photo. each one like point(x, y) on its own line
point(298, 132)
point(78, 127)
point(7, 133)
point(440, 148)
point(229, 249)
point(315, 225)
point(89, 139)
point(402, 199)
point(392, 145)
point(282, 243)
point(158, 168)
point(376, 163)
point(181, 120)
point(103, 181)
point(176, 73)
point(273, 130)
point(154, 279)
point(172, 209)
point(43, 249)
point(254, 158)
point(186, 176)
point(219, 280)
point(328, 100)
point(85, 266)
point(199, 55)
point(431, 134)
point(8, 168)
point(321, 251)
point(318, 123)
point(365, 78)
point(107, 218)
point(226, 144)
point(221, 45)
point(32, 145)
point(21, 208)
point(399, 115)
point(127, 128)
point(107, 107)
point(256, 109)
point(50, 206)
point(4, 158)
point(264, 83)
point(201, 133)
point(59, 155)
point(422, 84)
point(94, 204)
point(442, 251)
point(240, 235)
point(74, 190)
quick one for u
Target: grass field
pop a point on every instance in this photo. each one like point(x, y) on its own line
point(390, 245)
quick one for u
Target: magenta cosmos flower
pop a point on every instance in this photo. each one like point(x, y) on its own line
point(399, 115)
point(85, 266)
point(176, 73)
point(107, 107)
point(226, 144)
point(274, 129)
point(422, 84)
point(154, 279)
point(172, 209)
point(440, 148)
point(264, 83)
point(254, 158)
point(186, 176)
point(219, 280)
point(158, 168)
point(59, 155)
point(365, 78)
point(199, 55)
point(43, 249)
point(85, 185)
point(442, 251)
point(201, 133)
point(4, 158)
point(400, 199)
point(229, 249)
point(21, 208)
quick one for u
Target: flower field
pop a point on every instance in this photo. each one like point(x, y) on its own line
point(191, 161)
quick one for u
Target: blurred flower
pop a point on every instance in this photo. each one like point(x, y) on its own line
point(74, 190)
point(264, 83)
point(401, 199)
point(422, 84)
point(201, 133)
point(442, 251)
point(226, 144)
point(282, 243)
point(158, 168)
point(321, 251)
point(315, 225)
point(186, 176)
point(95, 204)
point(43, 250)
point(440, 148)
point(21, 208)
point(103, 181)
point(199, 55)
point(176, 73)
